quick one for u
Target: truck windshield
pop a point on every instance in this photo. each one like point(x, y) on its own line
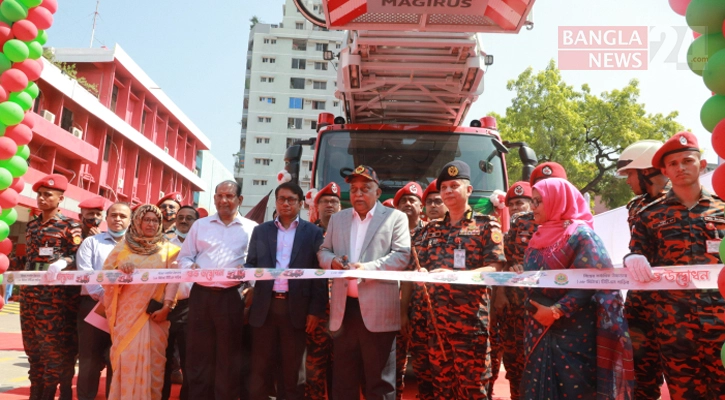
point(402, 156)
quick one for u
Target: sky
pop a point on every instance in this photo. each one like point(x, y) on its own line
point(196, 51)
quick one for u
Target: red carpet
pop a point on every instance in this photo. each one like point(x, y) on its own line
point(11, 342)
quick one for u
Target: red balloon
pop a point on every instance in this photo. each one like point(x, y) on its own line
point(718, 181)
point(29, 120)
point(679, 6)
point(718, 139)
point(4, 264)
point(14, 80)
point(6, 246)
point(8, 148)
point(8, 198)
point(3, 94)
point(41, 17)
point(51, 5)
point(18, 184)
point(25, 30)
point(6, 33)
point(30, 68)
point(2, 303)
point(20, 133)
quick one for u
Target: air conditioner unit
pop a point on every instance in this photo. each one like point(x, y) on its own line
point(120, 183)
point(48, 116)
point(161, 193)
point(166, 149)
point(77, 133)
point(309, 81)
point(308, 101)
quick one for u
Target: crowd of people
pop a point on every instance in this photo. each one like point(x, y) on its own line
point(350, 337)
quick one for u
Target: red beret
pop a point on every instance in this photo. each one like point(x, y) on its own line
point(52, 181)
point(95, 202)
point(432, 188)
point(518, 189)
point(388, 203)
point(203, 213)
point(332, 189)
point(683, 141)
point(175, 196)
point(547, 170)
point(411, 188)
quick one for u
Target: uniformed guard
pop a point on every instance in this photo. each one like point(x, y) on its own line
point(434, 207)
point(409, 200)
point(462, 241)
point(507, 329)
point(549, 169)
point(319, 344)
point(48, 313)
point(169, 206)
point(684, 227)
point(648, 184)
point(92, 215)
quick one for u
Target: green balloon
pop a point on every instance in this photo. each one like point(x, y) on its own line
point(5, 20)
point(10, 113)
point(24, 100)
point(4, 230)
point(35, 50)
point(16, 50)
point(2, 129)
point(706, 16)
point(32, 90)
point(712, 112)
point(42, 37)
point(6, 179)
point(722, 250)
point(9, 216)
point(16, 165)
point(714, 73)
point(5, 63)
point(13, 10)
point(23, 152)
point(31, 3)
point(702, 49)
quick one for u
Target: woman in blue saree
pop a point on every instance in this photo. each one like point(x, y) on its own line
point(577, 344)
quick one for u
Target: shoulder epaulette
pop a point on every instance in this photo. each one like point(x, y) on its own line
point(635, 200)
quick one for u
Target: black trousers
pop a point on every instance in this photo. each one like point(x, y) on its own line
point(92, 354)
point(177, 340)
point(357, 353)
point(214, 343)
point(277, 333)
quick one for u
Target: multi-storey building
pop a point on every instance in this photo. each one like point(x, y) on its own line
point(288, 83)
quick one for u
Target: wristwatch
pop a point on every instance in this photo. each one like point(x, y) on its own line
point(555, 312)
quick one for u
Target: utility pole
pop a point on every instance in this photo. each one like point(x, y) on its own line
point(95, 16)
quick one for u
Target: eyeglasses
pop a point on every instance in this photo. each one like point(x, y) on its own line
point(152, 221)
point(289, 200)
point(333, 202)
point(436, 202)
point(536, 202)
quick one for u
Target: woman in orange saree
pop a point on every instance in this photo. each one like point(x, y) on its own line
point(139, 339)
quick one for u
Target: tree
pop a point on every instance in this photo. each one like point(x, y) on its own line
point(253, 21)
point(582, 131)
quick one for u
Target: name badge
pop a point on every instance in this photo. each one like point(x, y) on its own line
point(459, 258)
point(46, 251)
point(470, 229)
point(713, 246)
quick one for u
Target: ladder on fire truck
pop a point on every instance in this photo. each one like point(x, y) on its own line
point(413, 61)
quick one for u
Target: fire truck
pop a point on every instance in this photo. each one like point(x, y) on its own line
point(407, 75)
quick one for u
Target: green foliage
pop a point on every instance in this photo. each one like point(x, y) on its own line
point(253, 21)
point(70, 71)
point(582, 131)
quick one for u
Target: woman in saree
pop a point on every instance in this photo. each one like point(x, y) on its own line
point(139, 339)
point(576, 341)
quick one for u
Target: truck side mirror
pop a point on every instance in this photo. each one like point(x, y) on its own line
point(292, 157)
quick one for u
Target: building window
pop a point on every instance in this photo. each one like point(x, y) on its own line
point(322, 66)
point(298, 63)
point(66, 120)
point(261, 140)
point(297, 83)
point(295, 102)
point(262, 161)
point(318, 105)
point(143, 121)
point(321, 46)
point(299, 25)
point(138, 164)
point(264, 120)
point(335, 103)
point(338, 45)
point(114, 98)
point(319, 85)
point(267, 79)
point(299, 44)
point(270, 41)
point(294, 123)
point(107, 148)
point(270, 100)
point(313, 124)
point(259, 182)
point(269, 60)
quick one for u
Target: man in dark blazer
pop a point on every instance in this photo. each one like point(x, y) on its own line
point(283, 311)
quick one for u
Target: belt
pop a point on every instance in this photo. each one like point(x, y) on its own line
point(217, 289)
point(38, 266)
point(280, 295)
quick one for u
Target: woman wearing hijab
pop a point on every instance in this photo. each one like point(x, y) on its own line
point(577, 345)
point(139, 338)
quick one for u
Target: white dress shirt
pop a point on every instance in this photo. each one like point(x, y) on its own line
point(285, 240)
point(212, 244)
point(358, 230)
point(91, 255)
point(184, 287)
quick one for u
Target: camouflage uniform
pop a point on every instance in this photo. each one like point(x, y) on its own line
point(48, 313)
point(639, 309)
point(318, 363)
point(461, 311)
point(690, 327)
point(507, 340)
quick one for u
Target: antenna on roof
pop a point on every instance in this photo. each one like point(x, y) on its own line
point(95, 16)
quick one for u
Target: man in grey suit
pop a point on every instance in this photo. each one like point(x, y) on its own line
point(365, 313)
